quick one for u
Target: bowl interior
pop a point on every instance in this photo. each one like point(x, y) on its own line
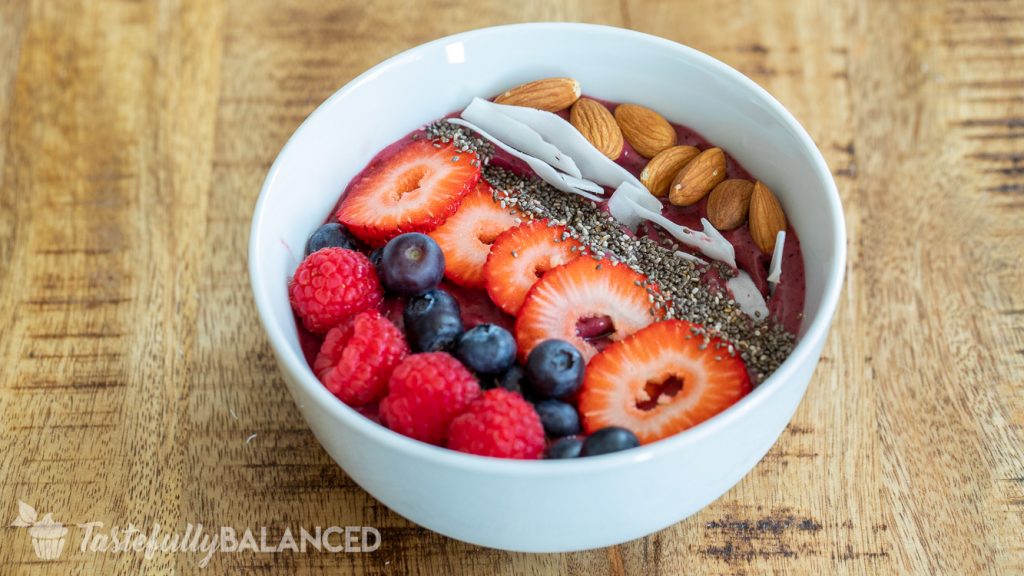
point(429, 81)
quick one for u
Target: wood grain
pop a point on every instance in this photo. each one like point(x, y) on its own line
point(136, 385)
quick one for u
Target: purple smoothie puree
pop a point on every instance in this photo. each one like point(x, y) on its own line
point(785, 304)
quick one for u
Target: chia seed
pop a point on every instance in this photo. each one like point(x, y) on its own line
point(443, 132)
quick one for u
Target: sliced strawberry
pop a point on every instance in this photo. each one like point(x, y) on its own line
point(520, 256)
point(660, 381)
point(570, 296)
point(412, 191)
point(466, 236)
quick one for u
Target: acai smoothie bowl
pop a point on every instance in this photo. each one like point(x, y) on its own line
point(548, 287)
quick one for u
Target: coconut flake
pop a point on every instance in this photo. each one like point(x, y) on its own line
point(582, 192)
point(518, 135)
point(545, 171)
point(716, 246)
point(621, 205)
point(775, 268)
point(747, 296)
point(629, 205)
point(592, 163)
point(641, 196)
point(585, 185)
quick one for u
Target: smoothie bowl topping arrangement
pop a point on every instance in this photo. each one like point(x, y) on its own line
point(549, 275)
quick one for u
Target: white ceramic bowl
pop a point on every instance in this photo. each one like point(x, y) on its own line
point(546, 506)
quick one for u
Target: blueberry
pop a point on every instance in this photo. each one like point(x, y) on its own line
point(559, 418)
point(375, 257)
point(432, 321)
point(411, 264)
point(330, 235)
point(430, 302)
point(513, 379)
point(555, 369)
point(608, 440)
point(568, 447)
point(486, 349)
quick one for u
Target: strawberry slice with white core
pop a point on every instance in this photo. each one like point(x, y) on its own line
point(520, 256)
point(574, 295)
point(466, 236)
point(414, 190)
point(660, 381)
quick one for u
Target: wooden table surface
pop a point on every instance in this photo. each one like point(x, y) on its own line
point(137, 386)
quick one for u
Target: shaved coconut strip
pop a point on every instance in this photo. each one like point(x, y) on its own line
point(641, 196)
point(518, 135)
point(685, 235)
point(586, 185)
point(625, 208)
point(621, 206)
point(775, 268)
point(592, 163)
point(545, 171)
point(623, 211)
point(747, 296)
point(717, 246)
point(621, 202)
point(582, 192)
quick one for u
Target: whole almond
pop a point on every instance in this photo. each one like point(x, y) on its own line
point(729, 202)
point(660, 171)
point(551, 94)
point(645, 130)
point(766, 218)
point(698, 177)
point(598, 126)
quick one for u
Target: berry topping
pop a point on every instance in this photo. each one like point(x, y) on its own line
point(411, 263)
point(578, 291)
point(559, 418)
point(513, 380)
point(520, 256)
point(554, 369)
point(466, 236)
point(375, 257)
point(432, 321)
point(411, 191)
point(425, 393)
point(499, 424)
point(608, 440)
point(568, 447)
point(331, 285)
point(486, 349)
point(661, 380)
point(330, 235)
point(358, 356)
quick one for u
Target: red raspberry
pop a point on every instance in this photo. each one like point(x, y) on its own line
point(358, 356)
point(500, 424)
point(426, 391)
point(332, 284)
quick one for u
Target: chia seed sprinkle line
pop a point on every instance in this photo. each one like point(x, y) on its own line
point(673, 283)
point(443, 132)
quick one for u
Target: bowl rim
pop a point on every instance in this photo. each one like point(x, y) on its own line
point(816, 333)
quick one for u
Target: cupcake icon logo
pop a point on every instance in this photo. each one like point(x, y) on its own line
point(47, 534)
